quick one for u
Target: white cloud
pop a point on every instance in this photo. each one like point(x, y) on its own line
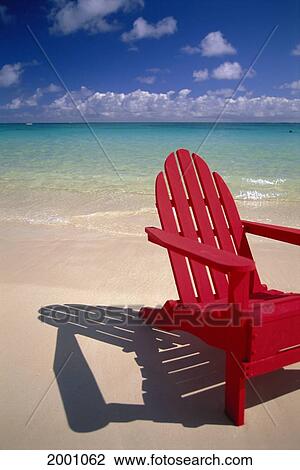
point(228, 71)
point(200, 75)
point(184, 92)
point(10, 74)
point(214, 44)
point(89, 15)
point(296, 50)
point(142, 29)
point(5, 17)
point(32, 100)
point(145, 105)
point(19, 102)
point(226, 92)
point(16, 103)
point(169, 106)
point(52, 88)
point(191, 50)
point(152, 74)
point(293, 86)
point(147, 79)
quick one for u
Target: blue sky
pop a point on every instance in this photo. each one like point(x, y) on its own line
point(150, 60)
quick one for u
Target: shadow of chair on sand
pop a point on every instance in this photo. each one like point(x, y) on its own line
point(183, 378)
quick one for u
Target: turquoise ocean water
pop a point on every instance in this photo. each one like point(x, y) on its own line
point(57, 173)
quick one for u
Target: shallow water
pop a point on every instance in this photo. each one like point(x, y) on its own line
point(66, 174)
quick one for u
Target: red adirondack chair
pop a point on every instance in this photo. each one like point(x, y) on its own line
point(221, 297)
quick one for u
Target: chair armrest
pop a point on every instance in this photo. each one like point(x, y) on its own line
point(220, 260)
point(275, 232)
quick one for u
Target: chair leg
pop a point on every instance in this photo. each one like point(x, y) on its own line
point(235, 390)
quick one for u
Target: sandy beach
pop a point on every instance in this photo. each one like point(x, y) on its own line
point(67, 386)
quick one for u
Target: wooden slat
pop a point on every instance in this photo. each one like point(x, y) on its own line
point(218, 259)
point(230, 209)
point(187, 227)
point(168, 223)
point(197, 203)
point(236, 227)
point(275, 362)
point(275, 232)
point(213, 204)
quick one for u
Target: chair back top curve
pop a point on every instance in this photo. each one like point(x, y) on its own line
point(194, 202)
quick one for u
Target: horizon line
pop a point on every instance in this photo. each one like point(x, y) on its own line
point(149, 122)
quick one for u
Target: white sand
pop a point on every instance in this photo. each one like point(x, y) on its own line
point(112, 393)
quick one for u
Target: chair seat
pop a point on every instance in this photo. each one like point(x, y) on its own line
point(272, 294)
point(277, 304)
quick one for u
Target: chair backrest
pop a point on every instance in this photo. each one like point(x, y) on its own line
point(198, 204)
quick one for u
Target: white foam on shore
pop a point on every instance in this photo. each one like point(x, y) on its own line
point(108, 223)
point(253, 195)
point(265, 182)
point(116, 214)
